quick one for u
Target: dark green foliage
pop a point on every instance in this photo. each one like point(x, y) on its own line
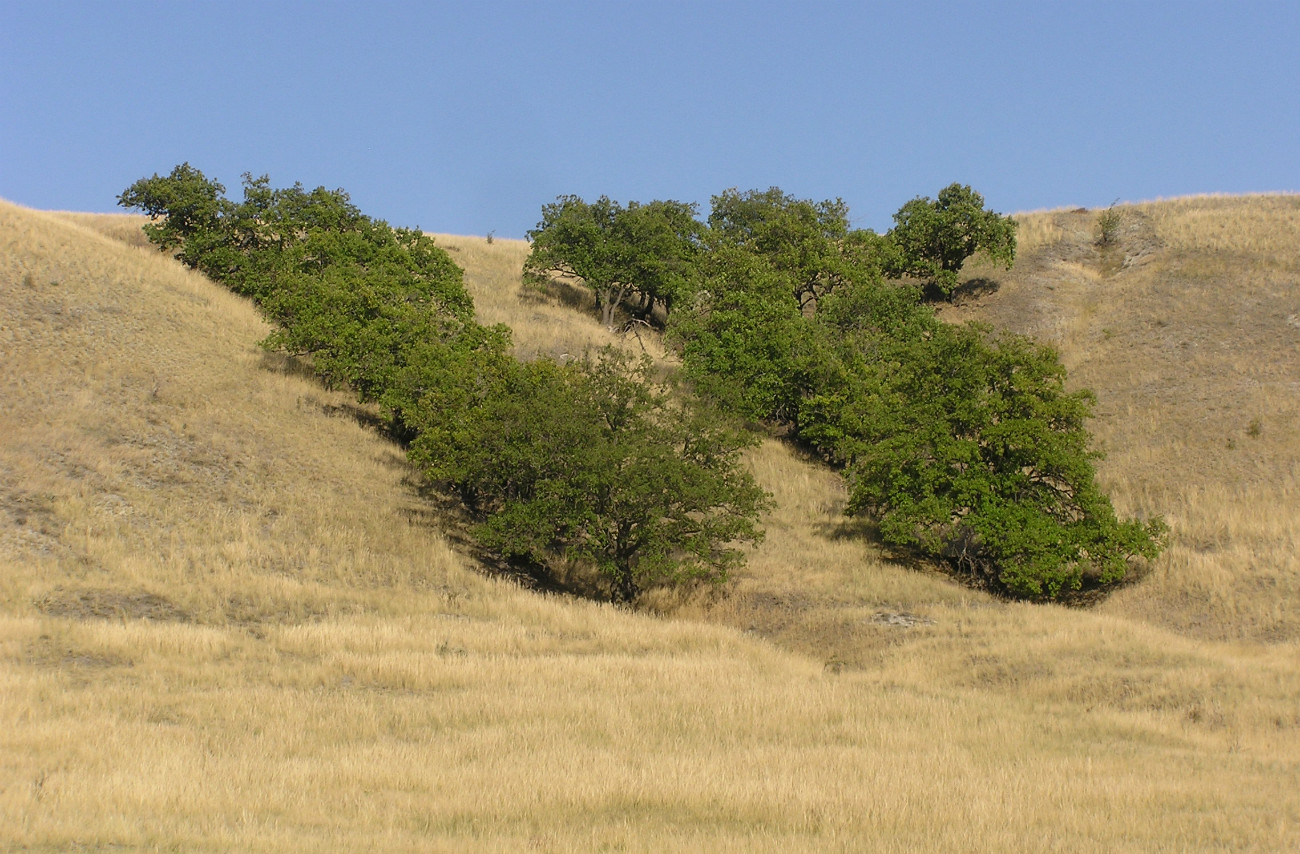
point(584, 463)
point(362, 302)
point(933, 239)
point(274, 235)
point(854, 334)
point(963, 447)
point(808, 241)
point(193, 210)
point(770, 263)
point(644, 253)
point(589, 463)
point(357, 295)
point(439, 380)
point(743, 338)
point(969, 449)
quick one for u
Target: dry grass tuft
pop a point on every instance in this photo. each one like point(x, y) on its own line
point(228, 623)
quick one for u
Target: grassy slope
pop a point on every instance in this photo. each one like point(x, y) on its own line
point(227, 622)
point(1188, 330)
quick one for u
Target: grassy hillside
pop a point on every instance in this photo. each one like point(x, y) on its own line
point(1188, 329)
point(227, 620)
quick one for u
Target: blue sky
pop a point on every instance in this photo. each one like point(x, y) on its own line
point(468, 117)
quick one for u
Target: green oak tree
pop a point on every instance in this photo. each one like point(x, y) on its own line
point(590, 463)
point(802, 238)
point(933, 238)
point(361, 298)
point(963, 446)
point(743, 338)
point(966, 447)
point(188, 213)
point(635, 257)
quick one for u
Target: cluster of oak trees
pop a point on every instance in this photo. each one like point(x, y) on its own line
point(586, 463)
point(962, 444)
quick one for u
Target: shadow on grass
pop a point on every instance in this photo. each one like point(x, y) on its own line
point(291, 366)
point(560, 292)
point(973, 290)
point(441, 511)
point(363, 417)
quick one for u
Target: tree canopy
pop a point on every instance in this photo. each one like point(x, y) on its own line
point(646, 251)
point(187, 212)
point(966, 447)
point(933, 238)
point(963, 446)
point(806, 240)
point(586, 463)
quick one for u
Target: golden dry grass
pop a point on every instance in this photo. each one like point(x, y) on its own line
point(227, 623)
point(560, 323)
point(1188, 330)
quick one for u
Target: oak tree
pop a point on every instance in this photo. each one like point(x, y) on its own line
point(933, 238)
point(644, 252)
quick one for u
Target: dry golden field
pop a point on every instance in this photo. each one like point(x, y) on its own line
point(228, 621)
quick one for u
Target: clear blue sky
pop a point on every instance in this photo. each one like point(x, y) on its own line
point(468, 117)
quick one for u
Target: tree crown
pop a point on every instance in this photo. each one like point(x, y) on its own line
point(933, 238)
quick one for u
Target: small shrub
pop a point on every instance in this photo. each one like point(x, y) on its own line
point(1108, 224)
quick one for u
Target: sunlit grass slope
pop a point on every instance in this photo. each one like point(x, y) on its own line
point(227, 622)
point(1187, 326)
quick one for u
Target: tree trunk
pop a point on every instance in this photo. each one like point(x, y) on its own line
point(625, 587)
point(609, 299)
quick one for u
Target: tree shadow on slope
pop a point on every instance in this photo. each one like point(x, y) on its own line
point(973, 290)
point(436, 510)
point(102, 603)
point(366, 417)
point(1091, 591)
point(561, 291)
point(440, 511)
point(288, 365)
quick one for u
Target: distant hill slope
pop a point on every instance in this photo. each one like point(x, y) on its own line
point(1187, 326)
point(149, 444)
point(229, 621)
